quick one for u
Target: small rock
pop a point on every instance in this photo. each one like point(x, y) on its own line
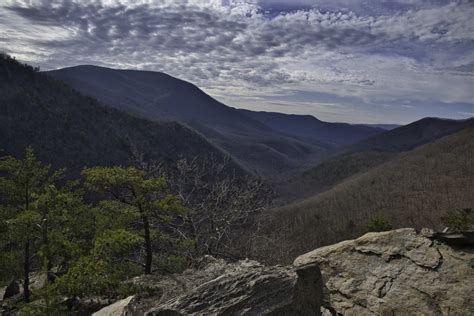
point(427, 232)
point(120, 308)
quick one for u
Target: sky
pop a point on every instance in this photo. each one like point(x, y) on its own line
point(356, 61)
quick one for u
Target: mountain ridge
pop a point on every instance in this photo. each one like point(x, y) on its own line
point(94, 74)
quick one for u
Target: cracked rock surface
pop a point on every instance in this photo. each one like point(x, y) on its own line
point(220, 288)
point(253, 290)
point(398, 272)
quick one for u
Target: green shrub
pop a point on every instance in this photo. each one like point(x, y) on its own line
point(459, 219)
point(379, 224)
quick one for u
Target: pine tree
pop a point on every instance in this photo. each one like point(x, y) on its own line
point(22, 182)
point(135, 197)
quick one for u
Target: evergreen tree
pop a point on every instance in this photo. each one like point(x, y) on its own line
point(67, 226)
point(100, 272)
point(141, 204)
point(22, 183)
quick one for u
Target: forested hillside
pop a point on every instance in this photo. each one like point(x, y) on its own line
point(71, 130)
point(414, 189)
point(367, 154)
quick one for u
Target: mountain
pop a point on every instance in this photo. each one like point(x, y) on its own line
point(412, 135)
point(309, 127)
point(414, 189)
point(256, 145)
point(153, 93)
point(68, 129)
point(369, 153)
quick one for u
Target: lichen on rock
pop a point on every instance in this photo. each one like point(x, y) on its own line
point(397, 272)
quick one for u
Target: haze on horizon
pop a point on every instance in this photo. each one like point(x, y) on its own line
point(357, 61)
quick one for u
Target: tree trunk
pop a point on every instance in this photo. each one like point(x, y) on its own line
point(148, 249)
point(26, 273)
point(48, 265)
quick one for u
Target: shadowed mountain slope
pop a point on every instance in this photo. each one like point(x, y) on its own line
point(255, 144)
point(66, 128)
point(154, 93)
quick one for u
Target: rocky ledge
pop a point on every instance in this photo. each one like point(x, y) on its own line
point(399, 272)
point(219, 288)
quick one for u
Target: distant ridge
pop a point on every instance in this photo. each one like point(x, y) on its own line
point(307, 126)
point(387, 127)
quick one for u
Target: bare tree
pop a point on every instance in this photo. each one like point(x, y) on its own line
point(223, 203)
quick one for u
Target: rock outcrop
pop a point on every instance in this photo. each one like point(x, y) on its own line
point(219, 288)
point(255, 290)
point(398, 272)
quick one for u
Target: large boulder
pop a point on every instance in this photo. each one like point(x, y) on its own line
point(399, 272)
point(249, 288)
point(217, 287)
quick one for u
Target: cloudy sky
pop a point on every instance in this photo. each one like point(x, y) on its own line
point(371, 61)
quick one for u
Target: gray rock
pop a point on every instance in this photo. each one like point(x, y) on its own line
point(251, 289)
point(395, 273)
point(121, 308)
